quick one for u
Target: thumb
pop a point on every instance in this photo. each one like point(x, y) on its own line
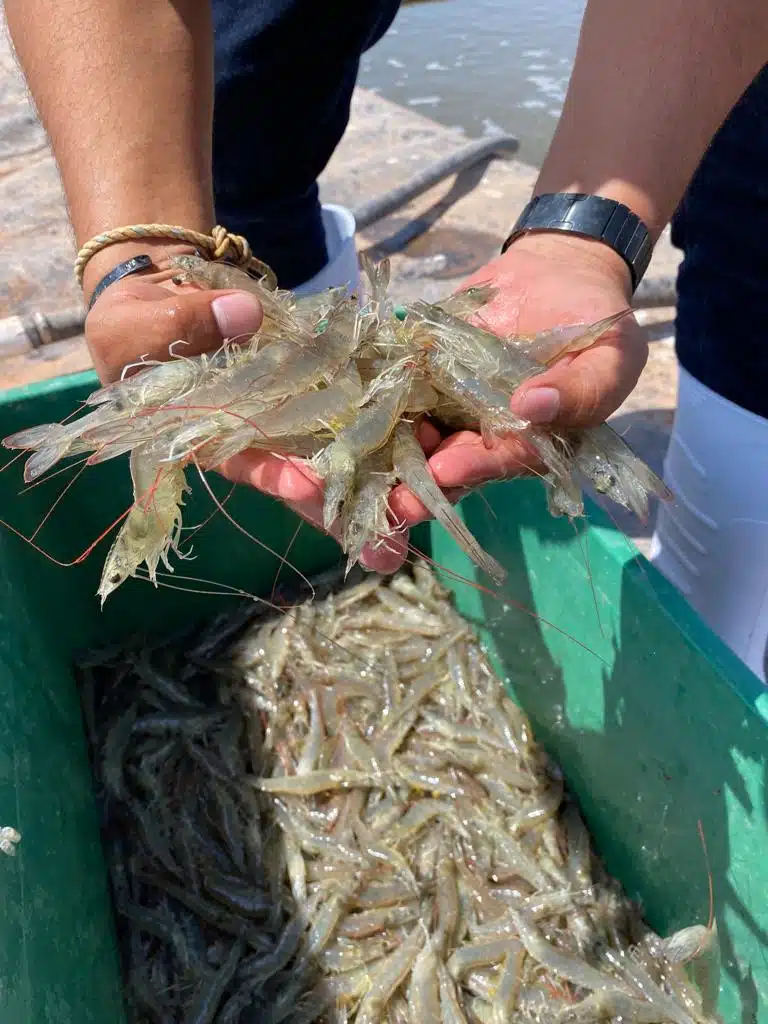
point(585, 389)
point(148, 320)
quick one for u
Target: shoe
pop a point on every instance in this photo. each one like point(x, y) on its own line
point(712, 542)
point(342, 267)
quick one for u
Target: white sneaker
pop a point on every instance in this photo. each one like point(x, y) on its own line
point(712, 543)
point(342, 267)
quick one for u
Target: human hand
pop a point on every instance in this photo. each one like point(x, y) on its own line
point(544, 280)
point(142, 315)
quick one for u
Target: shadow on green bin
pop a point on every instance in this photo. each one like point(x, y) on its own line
point(656, 725)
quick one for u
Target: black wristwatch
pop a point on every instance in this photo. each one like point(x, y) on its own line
point(591, 217)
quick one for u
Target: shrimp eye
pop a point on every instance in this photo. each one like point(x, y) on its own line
point(114, 578)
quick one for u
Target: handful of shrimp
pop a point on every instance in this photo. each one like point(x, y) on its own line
point(342, 384)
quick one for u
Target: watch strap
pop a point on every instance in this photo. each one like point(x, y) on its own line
point(605, 220)
point(125, 269)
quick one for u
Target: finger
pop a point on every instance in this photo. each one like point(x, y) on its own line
point(283, 478)
point(585, 390)
point(461, 463)
point(464, 461)
point(386, 555)
point(428, 435)
point(302, 491)
point(410, 511)
point(152, 319)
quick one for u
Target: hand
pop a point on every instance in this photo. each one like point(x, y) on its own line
point(143, 315)
point(544, 280)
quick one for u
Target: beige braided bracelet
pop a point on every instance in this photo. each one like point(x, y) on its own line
point(219, 245)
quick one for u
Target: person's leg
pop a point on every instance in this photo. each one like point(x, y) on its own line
point(285, 73)
point(713, 542)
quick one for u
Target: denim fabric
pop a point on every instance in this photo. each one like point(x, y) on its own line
point(722, 228)
point(285, 73)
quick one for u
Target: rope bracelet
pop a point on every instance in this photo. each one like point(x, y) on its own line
point(219, 245)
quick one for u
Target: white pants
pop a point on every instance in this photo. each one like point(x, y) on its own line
point(712, 543)
point(342, 266)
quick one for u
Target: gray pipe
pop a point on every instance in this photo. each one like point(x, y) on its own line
point(454, 163)
point(23, 334)
point(20, 335)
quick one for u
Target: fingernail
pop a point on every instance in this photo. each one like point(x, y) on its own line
point(539, 405)
point(236, 314)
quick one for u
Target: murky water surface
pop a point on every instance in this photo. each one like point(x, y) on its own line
point(484, 65)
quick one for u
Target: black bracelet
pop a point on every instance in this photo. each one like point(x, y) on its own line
point(605, 220)
point(131, 266)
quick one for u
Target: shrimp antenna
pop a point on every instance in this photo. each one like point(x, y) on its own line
point(250, 536)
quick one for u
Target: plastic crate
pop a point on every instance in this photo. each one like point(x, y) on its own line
point(656, 725)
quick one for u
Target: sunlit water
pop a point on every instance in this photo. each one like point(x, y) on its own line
point(483, 65)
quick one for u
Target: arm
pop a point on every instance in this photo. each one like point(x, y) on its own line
point(125, 92)
point(652, 82)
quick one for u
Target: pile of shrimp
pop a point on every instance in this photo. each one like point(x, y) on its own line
point(440, 870)
point(339, 384)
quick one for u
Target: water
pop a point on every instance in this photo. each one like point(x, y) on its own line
point(482, 65)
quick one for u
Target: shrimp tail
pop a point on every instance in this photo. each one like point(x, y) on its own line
point(46, 457)
point(33, 438)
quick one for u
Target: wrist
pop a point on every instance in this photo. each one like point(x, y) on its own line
point(160, 250)
point(552, 180)
point(577, 254)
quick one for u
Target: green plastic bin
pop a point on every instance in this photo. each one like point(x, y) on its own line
point(656, 725)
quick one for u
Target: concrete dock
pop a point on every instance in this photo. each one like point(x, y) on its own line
point(434, 242)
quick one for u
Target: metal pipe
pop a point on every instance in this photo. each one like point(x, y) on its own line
point(20, 335)
point(656, 292)
point(481, 149)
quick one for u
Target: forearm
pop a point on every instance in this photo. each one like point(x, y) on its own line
point(125, 92)
point(652, 82)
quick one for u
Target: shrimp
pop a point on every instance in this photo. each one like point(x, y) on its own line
point(330, 408)
point(52, 442)
point(161, 382)
point(609, 1004)
point(423, 989)
point(466, 301)
point(9, 838)
point(481, 402)
point(337, 465)
point(452, 1012)
point(379, 305)
point(152, 528)
point(614, 469)
point(548, 346)
point(216, 275)
point(364, 516)
point(388, 977)
point(413, 470)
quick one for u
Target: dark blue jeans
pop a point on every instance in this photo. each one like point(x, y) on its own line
point(722, 228)
point(285, 73)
